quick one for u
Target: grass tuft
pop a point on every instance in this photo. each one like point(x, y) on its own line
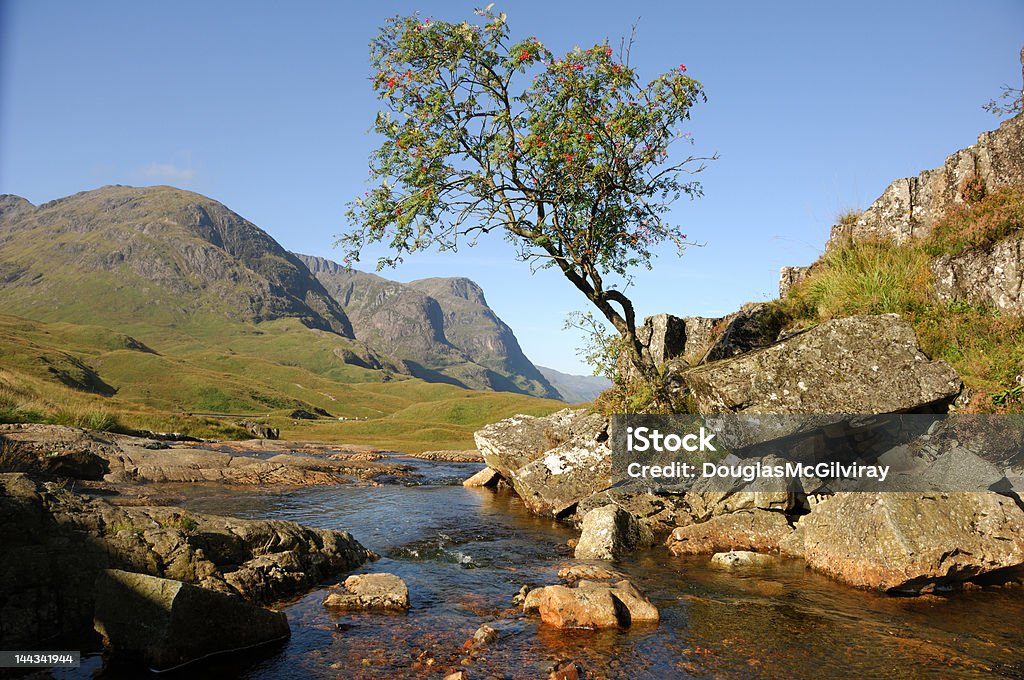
point(985, 346)
point(978, 224)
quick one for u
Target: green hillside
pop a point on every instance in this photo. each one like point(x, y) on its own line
point(162, 309)
point(91, 376)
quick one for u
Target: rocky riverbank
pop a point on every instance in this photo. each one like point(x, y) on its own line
point(907, 542)
point(162, 586)
point(119, 459)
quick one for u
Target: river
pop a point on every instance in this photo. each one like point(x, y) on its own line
point(465, 552)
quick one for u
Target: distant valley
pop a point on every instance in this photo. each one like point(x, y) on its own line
point(157, 302)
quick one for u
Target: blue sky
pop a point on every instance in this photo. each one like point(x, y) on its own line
point(814, 108)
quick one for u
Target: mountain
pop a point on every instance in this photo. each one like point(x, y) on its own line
point(127, 255)
point(162, 309)
point(441, 329)
point(576, 389)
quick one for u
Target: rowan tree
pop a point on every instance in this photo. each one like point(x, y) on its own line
point(569, 157)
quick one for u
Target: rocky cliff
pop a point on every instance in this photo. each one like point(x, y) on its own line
point(160, 254)
point(909, 207)
point(442, 329)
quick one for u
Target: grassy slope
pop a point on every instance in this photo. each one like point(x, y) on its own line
point(984, 346)
point(264, 370)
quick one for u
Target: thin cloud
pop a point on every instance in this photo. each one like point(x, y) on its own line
point(167, 172)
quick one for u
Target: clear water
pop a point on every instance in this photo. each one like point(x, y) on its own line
point(465, 552)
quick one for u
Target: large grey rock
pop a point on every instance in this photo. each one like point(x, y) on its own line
point(910, 542)
point(664, 336)
point(610, 533)
point(659, 513)
point(755, 530)
point(260, 430)
point(754, 326)
point(562, 477)
point(706, 504)
point(668, 338)
point(165, 624)
point(509, 444)
point(910, 207)
point(860, 364)
point(960, 468)
point(552, 462)
point(700, 333)
point(990, 276)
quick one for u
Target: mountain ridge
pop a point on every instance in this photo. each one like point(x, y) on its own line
point(576, 389)
point(441, 328)
point(137, 259)
point(155, 247)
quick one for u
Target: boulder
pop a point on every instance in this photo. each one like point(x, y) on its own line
point(610, 533)
point(664, 336)
point(710, 497)
point(260, 430)
point(485, 478)
point(485, 635)
point(589, 572)
point(555, 483)
point(743, 558)
point(564, 607)
point(371, 591)
point(859, 364)
point(707, 504)
point(961, 469)
point(84, 465)
point(754, 326)
point(632, 605)
point(591, 605)
point(533, 600)
point(165, 624)
point(700, 333)
point(514, 442)
point(552, 462)
point(755, 530)
point(989, 276)
point(910, 542)
point(659, 513)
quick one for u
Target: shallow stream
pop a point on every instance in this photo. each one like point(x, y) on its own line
point(465, 552)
